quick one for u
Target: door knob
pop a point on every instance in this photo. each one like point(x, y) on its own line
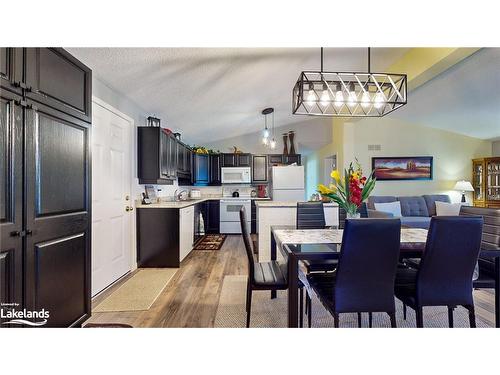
point(128, 208)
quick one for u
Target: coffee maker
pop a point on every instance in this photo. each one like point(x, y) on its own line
point(262, 191)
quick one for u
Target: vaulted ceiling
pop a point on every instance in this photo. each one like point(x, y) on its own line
point(215, 93)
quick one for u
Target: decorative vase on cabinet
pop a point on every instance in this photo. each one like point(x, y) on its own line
point(291, 135)
point(285, 143)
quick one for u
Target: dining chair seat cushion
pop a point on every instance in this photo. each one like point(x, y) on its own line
point(270, 274)
point(321, 265)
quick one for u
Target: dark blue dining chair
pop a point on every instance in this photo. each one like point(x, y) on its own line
point(364, 278)
point(444, 276)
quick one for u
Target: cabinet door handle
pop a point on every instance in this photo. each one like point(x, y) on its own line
point(16, 233)
point(29, 232)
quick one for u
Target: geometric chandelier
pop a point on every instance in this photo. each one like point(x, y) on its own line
point(348, 94)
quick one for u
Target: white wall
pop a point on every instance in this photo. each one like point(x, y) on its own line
point(495, 148)
point(452, 153)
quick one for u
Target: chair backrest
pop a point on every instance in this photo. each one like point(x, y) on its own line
point(445, 273)
point(248, 242)
point(310, 215)
point(367, 265)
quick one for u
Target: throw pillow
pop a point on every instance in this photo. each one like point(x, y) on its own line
point(447, 209)
point(393, 208)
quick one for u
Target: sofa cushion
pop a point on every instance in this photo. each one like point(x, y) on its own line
point(394, 208)
point(430, 201)
point(447, 209)
point(413, 206)
point(416, 221)
point(379, 199)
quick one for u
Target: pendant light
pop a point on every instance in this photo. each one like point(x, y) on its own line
point(348, 94)
point(269, 140)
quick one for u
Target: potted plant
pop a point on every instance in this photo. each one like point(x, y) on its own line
point(350, 191)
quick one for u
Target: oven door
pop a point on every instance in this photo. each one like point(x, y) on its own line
point(230, 209)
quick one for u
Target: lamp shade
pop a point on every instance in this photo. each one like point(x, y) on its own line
point(463, 186)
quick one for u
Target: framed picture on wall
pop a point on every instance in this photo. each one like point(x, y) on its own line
point(402, 168)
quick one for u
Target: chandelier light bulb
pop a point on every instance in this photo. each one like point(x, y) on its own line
point(272, 144)
point(351, 101)
point(379, 100)
point(311, 97)
point(339, 97)
point(325, 97)
point(265, 133)
point(265, 141)
point(365, 99)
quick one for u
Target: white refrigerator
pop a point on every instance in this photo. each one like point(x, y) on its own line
point(288, 183)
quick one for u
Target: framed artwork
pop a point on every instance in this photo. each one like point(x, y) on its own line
point(402, 168)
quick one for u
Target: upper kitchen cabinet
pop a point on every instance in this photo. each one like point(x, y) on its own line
point(259, 169)
point(290, 159)
point(55, 78)
point(157, 156)
point(236, 160)
point(184, 163)
point(215, 164)
point(200, 169)
point(11, 69)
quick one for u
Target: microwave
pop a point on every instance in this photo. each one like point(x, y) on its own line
point(235, 175)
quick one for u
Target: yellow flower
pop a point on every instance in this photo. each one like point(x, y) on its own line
point(335, 175)
point(325, 190)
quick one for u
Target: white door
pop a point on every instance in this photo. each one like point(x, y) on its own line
point(111, 186)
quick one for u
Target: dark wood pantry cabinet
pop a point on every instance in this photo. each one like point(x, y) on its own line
point(45, 195)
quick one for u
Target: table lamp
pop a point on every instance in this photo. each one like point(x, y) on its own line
point(463, 186)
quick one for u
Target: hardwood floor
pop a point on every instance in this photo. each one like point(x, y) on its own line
point(192, 296)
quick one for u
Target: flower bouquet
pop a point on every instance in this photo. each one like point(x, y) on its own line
point(351, 190)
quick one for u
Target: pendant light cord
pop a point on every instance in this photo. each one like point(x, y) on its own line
point(321, 59)
point(369, 67)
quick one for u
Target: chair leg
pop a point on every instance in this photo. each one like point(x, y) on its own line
point(404, 311)
point(301, 304)
point(450, 316)
point(309, 313)
point(472, 316)
point(370, 319)
point(420, 316)
point(249, 303)
point(392, 316)
point(336, 320)
point(359, 320)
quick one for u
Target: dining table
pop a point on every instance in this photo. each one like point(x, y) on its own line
point(297, 245)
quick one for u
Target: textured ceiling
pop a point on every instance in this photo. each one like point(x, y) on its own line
point(215, 93)
point(464, 99)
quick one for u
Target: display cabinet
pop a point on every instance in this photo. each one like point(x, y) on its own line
point(486, 182)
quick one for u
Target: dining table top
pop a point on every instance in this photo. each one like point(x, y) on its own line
point(290, 235)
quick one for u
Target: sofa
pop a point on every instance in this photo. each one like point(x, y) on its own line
point(416, 212)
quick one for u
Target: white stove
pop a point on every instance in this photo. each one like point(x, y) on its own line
point(230, 214)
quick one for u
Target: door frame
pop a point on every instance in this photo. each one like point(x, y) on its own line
point(133, 242)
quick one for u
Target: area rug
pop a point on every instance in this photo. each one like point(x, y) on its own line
point(211, 242)
point(272, 313)
point(139, 292)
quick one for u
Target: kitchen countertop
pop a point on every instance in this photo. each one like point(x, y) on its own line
point(191, 202)
point(286, 204)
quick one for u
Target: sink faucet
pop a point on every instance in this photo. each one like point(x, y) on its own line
point(178, 193)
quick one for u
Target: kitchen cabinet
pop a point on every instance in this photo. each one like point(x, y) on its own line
point(290, 159)
point(184, 161)
point(186, 231)
point(213, 217)
point(253, 217)
point(157, 247)
point(45, 202)
point(200, 170)
point(11, 69)
point(157, 156)
point(275, 159)
point(215, 165)
point(259, 169)
point(236, 160)
point(55, 78)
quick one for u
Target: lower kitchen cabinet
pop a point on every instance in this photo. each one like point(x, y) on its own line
point(186, 231)
point(213, 217)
